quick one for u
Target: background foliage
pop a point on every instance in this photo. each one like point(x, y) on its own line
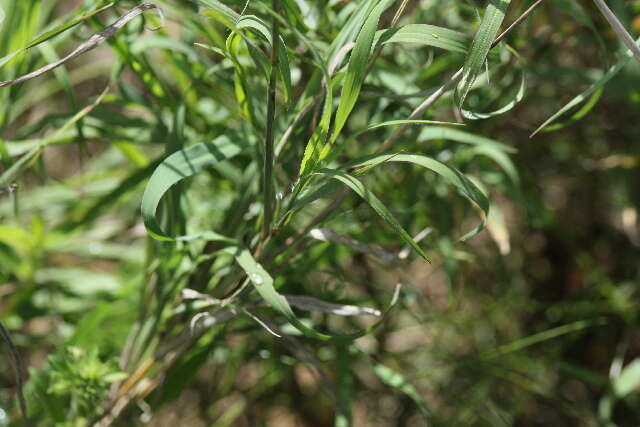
point(533, 321)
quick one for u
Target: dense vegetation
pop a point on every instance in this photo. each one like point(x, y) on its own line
point(299, 212)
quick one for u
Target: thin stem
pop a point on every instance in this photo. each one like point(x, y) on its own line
point(399, 12)
point(394, 22)
point(296, 121)
point(18, 368)
point(618, 28)
point(269, 136)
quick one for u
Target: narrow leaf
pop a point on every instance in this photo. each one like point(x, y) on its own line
point(328, 235)
point(410, 122)
point(493, 149)
point(598, 85)
point(362, 191)
point(481, 45)
point(313, 304)
point(425, 35)
point(628, 380)
point(220, 12)
point(357, 67)
point(263, 283)
point(178, 166)
point(453, 176)
point(54, 32)
point(399, 382)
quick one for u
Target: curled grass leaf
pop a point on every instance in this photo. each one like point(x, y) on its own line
point(480, 47)
point(361, 190)
point(590, 93)
point(451, 175)
point(175, 168)
point(236, 23)
point(190, 161)
point(517, 97)
point(313, 304)
point(482, 145)
point(439, 132)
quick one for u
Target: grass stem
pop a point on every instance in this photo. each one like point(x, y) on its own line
point(618, 28)
point(269, 135)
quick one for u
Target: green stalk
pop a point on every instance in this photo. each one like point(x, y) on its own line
point(269, 136)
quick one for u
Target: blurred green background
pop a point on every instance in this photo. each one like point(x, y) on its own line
point(534, 322)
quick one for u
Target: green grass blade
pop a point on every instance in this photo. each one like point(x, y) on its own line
point(220, 12)
point(594, 88)
point(263, 283)
point(10, 174)
point(284, 69)
point(425, 35)
point(21, 164)
point(318, 148)
point(357, 67)
point(409, 122)
point(268, 163)
point(399, 382)
point(451, 175)
point(591, 102)
point(481, 45)
point(54, 32)
point(540, 337)
point(491, 148)
point(177, 167)
point(628, 380)
point(515, 100)
point(344, 385)
point(63, 27)
point(438, 132)
point(351, 28)
point(312, 151)
point(375, 203)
